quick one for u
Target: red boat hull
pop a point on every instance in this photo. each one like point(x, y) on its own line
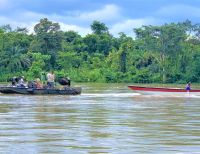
point(155, 89)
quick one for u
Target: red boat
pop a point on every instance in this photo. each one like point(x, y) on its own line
point(158, 90)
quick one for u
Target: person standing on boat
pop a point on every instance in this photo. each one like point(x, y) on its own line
point(43, 77)
point(188, 87)
point(50, 79)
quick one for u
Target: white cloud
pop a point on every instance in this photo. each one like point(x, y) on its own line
point(14, 24)
point(108, 12)
point(81, 30)
point(25, 21)
point(28, 16)
point(78, 22)
point(22, 18)
point(127, 26)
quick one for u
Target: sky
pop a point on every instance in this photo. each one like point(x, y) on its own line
point(117, 15)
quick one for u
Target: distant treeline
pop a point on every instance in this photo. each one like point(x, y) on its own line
point(169, 53)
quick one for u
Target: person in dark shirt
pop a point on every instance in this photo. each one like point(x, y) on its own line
point(188, 87)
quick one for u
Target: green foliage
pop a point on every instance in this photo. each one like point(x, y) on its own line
point(99, 28)
point(166, 40)
point(38, 65)
point(167, 53)
point(48, 39)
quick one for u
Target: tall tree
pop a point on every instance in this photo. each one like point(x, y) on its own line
point(48, 36)
point(99, 28)
point(13, 60)
point(166, 40)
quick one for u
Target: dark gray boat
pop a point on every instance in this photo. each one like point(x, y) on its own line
point(46, 91)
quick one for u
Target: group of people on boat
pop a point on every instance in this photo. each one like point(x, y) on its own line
point(17, 81)
point(46, 81)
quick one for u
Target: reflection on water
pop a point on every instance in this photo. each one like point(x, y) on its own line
point(103, 119)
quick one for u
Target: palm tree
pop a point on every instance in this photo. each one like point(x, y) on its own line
point(13, 60)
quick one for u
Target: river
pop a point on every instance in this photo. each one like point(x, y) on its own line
point(105, 118)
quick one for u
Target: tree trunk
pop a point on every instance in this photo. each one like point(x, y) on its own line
point(123, 62)
point(163, 69)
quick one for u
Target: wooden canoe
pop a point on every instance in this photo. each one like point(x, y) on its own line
point(159, 90)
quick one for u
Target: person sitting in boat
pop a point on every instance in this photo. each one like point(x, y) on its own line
point(21, 82)
point(50, 79)
point(188, 87)
point(38, 84)
point(13, 81)
point(43, 77)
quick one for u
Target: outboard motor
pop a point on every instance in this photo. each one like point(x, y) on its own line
point(64, 81)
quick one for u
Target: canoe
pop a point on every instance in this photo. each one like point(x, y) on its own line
point(34, 91)
point(159, 90)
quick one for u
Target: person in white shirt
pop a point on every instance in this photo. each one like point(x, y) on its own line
point(21, 82)
point(50, 79)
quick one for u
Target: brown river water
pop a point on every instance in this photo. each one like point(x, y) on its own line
point(105, 118)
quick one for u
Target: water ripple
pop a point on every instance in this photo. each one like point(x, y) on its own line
point(100, 120)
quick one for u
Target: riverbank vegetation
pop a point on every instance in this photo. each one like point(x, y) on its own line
point(168, 53)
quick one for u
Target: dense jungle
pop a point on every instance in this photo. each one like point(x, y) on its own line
point(168, 53)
